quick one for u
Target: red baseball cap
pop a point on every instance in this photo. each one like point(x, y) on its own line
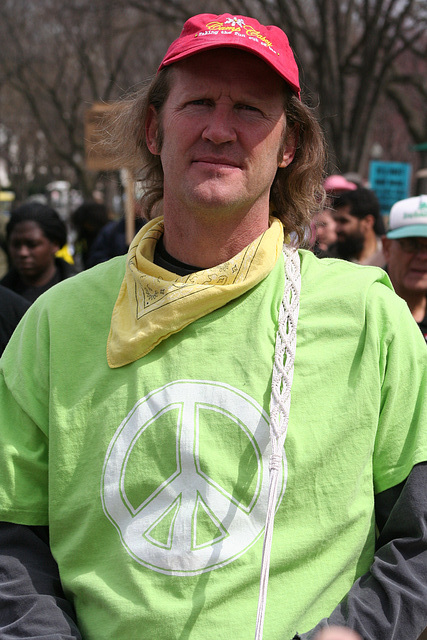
point(209, 31)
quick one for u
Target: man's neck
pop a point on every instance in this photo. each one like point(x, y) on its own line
point(370, 247)
point(163, 259)
point(417, 303)
point(205, 242)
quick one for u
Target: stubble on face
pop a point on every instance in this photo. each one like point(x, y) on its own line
point(221, 136)
point(218, 84)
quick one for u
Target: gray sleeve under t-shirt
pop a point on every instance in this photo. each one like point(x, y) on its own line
point(388, 601)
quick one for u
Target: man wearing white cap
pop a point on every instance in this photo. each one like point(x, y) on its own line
point(218, 435)
point(405, 249)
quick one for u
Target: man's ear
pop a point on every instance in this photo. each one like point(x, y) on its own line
point(368, 222)
point(386, 247)
point(289, 147)
point(151, 130)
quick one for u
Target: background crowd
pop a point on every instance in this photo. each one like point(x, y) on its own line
point(43, 250)
point(233, 159)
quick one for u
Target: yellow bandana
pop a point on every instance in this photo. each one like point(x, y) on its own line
point(154, 303)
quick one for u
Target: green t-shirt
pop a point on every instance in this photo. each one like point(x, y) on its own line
point(153, 477)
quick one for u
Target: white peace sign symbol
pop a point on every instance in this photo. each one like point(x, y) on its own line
point(181, 498)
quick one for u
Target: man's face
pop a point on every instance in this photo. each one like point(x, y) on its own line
point(223, 129)
point(31, 252)
point(350, 232)
point(407, 269)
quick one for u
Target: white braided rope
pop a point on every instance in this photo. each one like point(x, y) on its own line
point(280, 404)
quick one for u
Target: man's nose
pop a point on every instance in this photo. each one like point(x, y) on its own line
point(23, 250)
point(219, 128)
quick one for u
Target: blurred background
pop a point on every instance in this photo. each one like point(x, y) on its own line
point(63, 62)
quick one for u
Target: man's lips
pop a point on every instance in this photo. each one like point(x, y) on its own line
point(217, 162)
point(21, 264)
point(419, 270)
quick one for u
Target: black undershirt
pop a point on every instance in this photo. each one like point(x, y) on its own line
point(164, 259)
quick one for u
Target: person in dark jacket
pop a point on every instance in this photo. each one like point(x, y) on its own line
point(12, 308)
point(88, 220)
point(34, 234)
point(111, 241)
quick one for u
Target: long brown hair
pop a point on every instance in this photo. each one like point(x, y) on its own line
point(296, 192)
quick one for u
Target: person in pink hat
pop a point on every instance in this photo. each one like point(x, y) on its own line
point(218, 435)
point(337, 183)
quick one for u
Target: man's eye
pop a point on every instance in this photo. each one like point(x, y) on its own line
point(246, 107)
point(200, 101)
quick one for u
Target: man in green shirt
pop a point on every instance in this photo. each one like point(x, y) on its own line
point(218, 412)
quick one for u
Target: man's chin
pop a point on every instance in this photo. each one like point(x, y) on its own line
point(349, 248)
point(26, 271)
point(216, 200)
point(416, 282)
